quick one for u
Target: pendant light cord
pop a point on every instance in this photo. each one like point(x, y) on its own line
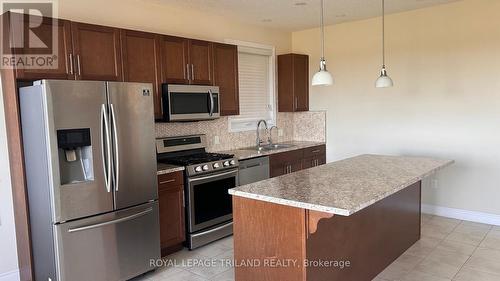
point(383, 33)
point(322, 33)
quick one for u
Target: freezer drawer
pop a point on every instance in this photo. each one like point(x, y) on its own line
point(114, 246)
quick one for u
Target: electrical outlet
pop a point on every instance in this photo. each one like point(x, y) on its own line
point(216, 140)
point(280, 132)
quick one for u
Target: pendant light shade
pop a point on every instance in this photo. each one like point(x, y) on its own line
point(383, 81)
point(322, 77)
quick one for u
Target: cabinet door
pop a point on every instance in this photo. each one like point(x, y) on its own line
point(313, 162)
point(301, 82)
point(174, 64)
point(97, 52)
point(63, 67)
point(200, 59)
point(141, 61)
point(293, 83)
point(285, 162)
point(171, 216)
point(226, 77)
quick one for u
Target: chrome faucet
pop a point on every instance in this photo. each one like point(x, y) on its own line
point(259, 141)
point(270, 138)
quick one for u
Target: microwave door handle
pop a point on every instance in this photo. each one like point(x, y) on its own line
point(211, 102)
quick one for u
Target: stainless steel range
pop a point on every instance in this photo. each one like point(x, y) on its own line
point(207, 178)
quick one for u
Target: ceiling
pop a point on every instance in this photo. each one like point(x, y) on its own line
point(293, 15)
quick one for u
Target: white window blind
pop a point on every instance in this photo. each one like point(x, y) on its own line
point(256, 88)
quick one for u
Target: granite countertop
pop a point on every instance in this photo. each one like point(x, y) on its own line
point(250, 152)
point(167, 168)
point(343, 187)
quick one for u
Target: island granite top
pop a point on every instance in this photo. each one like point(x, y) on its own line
point(343, 187)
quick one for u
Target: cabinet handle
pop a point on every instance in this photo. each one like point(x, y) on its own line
point(192, 71)
point(315, 151)
point(183, 199)
point(71, 64)
point(167, 181)
point(296, 103)
point(78, 65)
point(187, 72)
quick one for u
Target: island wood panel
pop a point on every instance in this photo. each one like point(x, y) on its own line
point(264, 231)
point(370, 239)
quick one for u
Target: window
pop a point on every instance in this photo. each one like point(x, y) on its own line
point(256, 87)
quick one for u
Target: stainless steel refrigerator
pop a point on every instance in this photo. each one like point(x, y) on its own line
point(89, 150)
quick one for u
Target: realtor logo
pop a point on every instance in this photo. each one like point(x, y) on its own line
point(29, 34)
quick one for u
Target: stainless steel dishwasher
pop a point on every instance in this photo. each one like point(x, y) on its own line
point(253, 170)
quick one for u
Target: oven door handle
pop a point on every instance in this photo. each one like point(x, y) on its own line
point(213, 176)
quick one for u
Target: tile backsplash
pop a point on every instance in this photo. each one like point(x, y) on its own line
point(298, 126)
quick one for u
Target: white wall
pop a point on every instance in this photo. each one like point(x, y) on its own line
point(445, 61)
point(8, 253)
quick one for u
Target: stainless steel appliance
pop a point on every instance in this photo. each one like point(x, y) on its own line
point(253, 170)
point(89, 149)
point(190, 102)
point(208, 177)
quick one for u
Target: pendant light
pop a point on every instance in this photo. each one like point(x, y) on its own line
point(322, 77)
point(384, 81)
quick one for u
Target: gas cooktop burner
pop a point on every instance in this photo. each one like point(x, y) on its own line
point(198, 158)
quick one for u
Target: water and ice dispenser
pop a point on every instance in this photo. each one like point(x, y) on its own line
point(75, 156)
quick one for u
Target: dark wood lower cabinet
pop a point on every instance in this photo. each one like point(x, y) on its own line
point(296, 160)
point(171, 201)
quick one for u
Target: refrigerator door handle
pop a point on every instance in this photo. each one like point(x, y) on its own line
point(115, 143)
point(106, 157)
point(97, 225)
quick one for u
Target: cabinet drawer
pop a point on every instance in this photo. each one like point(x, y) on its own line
point(170, 180)
point(314, 151)
point(285, 157)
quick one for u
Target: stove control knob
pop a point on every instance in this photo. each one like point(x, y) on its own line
point(198, 169)
point(226, 163)
point(205, 167)
point(232, 162)
point(216, 165)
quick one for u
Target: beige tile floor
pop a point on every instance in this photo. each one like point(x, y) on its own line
point(448, 250)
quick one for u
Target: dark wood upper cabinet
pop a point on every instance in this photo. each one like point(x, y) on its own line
point(62, 67)
point(293, 83)
point(226, 77)
point(186, 61)
point(97, 52)
point(141, 61)
point(200, 59)
point(175, 60)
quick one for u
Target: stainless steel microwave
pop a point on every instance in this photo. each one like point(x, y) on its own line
point(190, 102)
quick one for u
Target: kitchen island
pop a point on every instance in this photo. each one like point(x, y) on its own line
point(346, 220)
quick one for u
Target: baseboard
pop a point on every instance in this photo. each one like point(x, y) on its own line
point(461, 214)
point(10, 276)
